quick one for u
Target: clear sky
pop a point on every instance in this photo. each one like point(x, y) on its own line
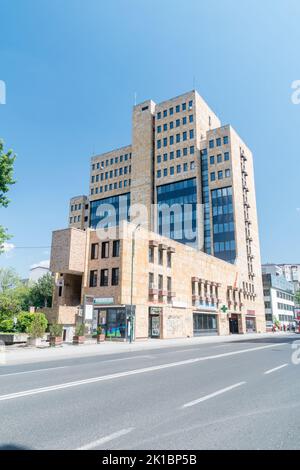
point(71, 69)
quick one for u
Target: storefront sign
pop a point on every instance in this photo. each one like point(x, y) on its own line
point(251, 312)
point(155, 310)
point(103, 301)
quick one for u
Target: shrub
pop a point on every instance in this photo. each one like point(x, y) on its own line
point(56, 330)
point(38, 326)
point(80, 329)
point(7, 326)
point(24, 321)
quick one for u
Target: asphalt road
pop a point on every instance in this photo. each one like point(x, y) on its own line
point(234, 395)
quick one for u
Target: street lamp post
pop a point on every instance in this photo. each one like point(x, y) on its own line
point(131, 281)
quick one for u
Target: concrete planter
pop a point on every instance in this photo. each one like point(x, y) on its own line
point(55, 341)
point(13, 338)
point(100, 338)
point(78, 339)
point(34, 341)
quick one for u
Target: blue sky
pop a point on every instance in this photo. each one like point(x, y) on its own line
point(71, 69)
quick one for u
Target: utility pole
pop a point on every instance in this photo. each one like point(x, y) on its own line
point(131, 281)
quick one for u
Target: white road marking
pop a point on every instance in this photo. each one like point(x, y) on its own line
point(212, 395)
point(275, 368)
point(127, 358)
point(117, 375)
point(32, 371)
point(105, 439)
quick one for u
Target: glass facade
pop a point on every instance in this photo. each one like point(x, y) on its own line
point(223, 224)
point(206, 202)
point(204, 324)
point(177, 211)
point(109, 211)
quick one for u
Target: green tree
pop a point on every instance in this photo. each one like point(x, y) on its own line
point(7, 160)
point(24, 321)
point(10, 305)
point(41, 292)
point(8, 279)
point(297, 298)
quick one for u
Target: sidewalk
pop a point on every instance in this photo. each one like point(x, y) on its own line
point(24, 355)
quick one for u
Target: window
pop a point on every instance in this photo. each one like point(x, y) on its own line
point(165, 141)
point(158, 128)
point(151, 280)
point(190, 104)
point(219, 158)
point(185, 167)
point(160, 257)
point(178, 168)
point(184, 136)
point(116, 248)
point(125, 183)
point(171, 170)
point(169, 259)
point(191, 133)
point(93, 278)
point(185, 151)
point(178, 153)
point(105, 250)
point(171, 124)
point(212, 160)
point(191, 118)
point(177, 122)
point(192, 150)
point(220, 175)
point(171, 155)
point(184, 120)
point(151, 254)
point(183, 106)
point(165, 157)
point(94, 250)
point(104, 277)
point(169, 284)
point(115, 276)
point(158, 115)
point(165, 171)
point(158, 174)
point(165, 127)
point(158, 158)
point(171, 111)
point(160, 282)
point(225, 140)
point(192, 165)
point(213, 176)
point(171, 139)
point(177, 138)
point(211, 144)
point(177, 108)
point(226, 156)
point(227, 173)
point(218, 142)
point(158, 144)
point(165, 113)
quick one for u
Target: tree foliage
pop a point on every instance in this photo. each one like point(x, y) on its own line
point(41, 292)
point(7, 160)
point(38, 326)
point(297, 298)
point(8, 279)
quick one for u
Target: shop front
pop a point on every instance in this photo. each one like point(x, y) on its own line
point(205, 324)
point(115, 321)
point(250, 321)
point(155, 320)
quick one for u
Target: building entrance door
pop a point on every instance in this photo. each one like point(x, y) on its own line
point(233, 326)
point(154, 326)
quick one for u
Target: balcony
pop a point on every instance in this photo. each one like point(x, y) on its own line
point(153, 290)
point(171, 293)
point(195, 298)
point(162, 293)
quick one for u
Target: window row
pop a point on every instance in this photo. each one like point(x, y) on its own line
point(160, 285)
point(283, 295)
point(76, 207)
point(218, 142)
point(179, 168)
point(160, 257)
point(111, 174)
point(281, 306)
point(177, 109)
point(179, 152)
point(104, 277)
point(75, 219)
point(177, 138)
point(111, 186)
point(175, 123)
point(220, 174)
point(219, 158)
point(224, 246)
point(111, 161)
point(105, 249)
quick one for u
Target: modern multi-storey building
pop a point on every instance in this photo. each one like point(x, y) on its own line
point(186, 184)
point(278, 296)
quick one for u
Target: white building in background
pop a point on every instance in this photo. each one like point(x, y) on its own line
point(38, 270)
point(292, 274)
point(278, 296)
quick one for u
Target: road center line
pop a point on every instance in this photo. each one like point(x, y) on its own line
point(105, 439)
point(32, 371)
point(117, 375)
point(212, 395)
point(275, 368)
